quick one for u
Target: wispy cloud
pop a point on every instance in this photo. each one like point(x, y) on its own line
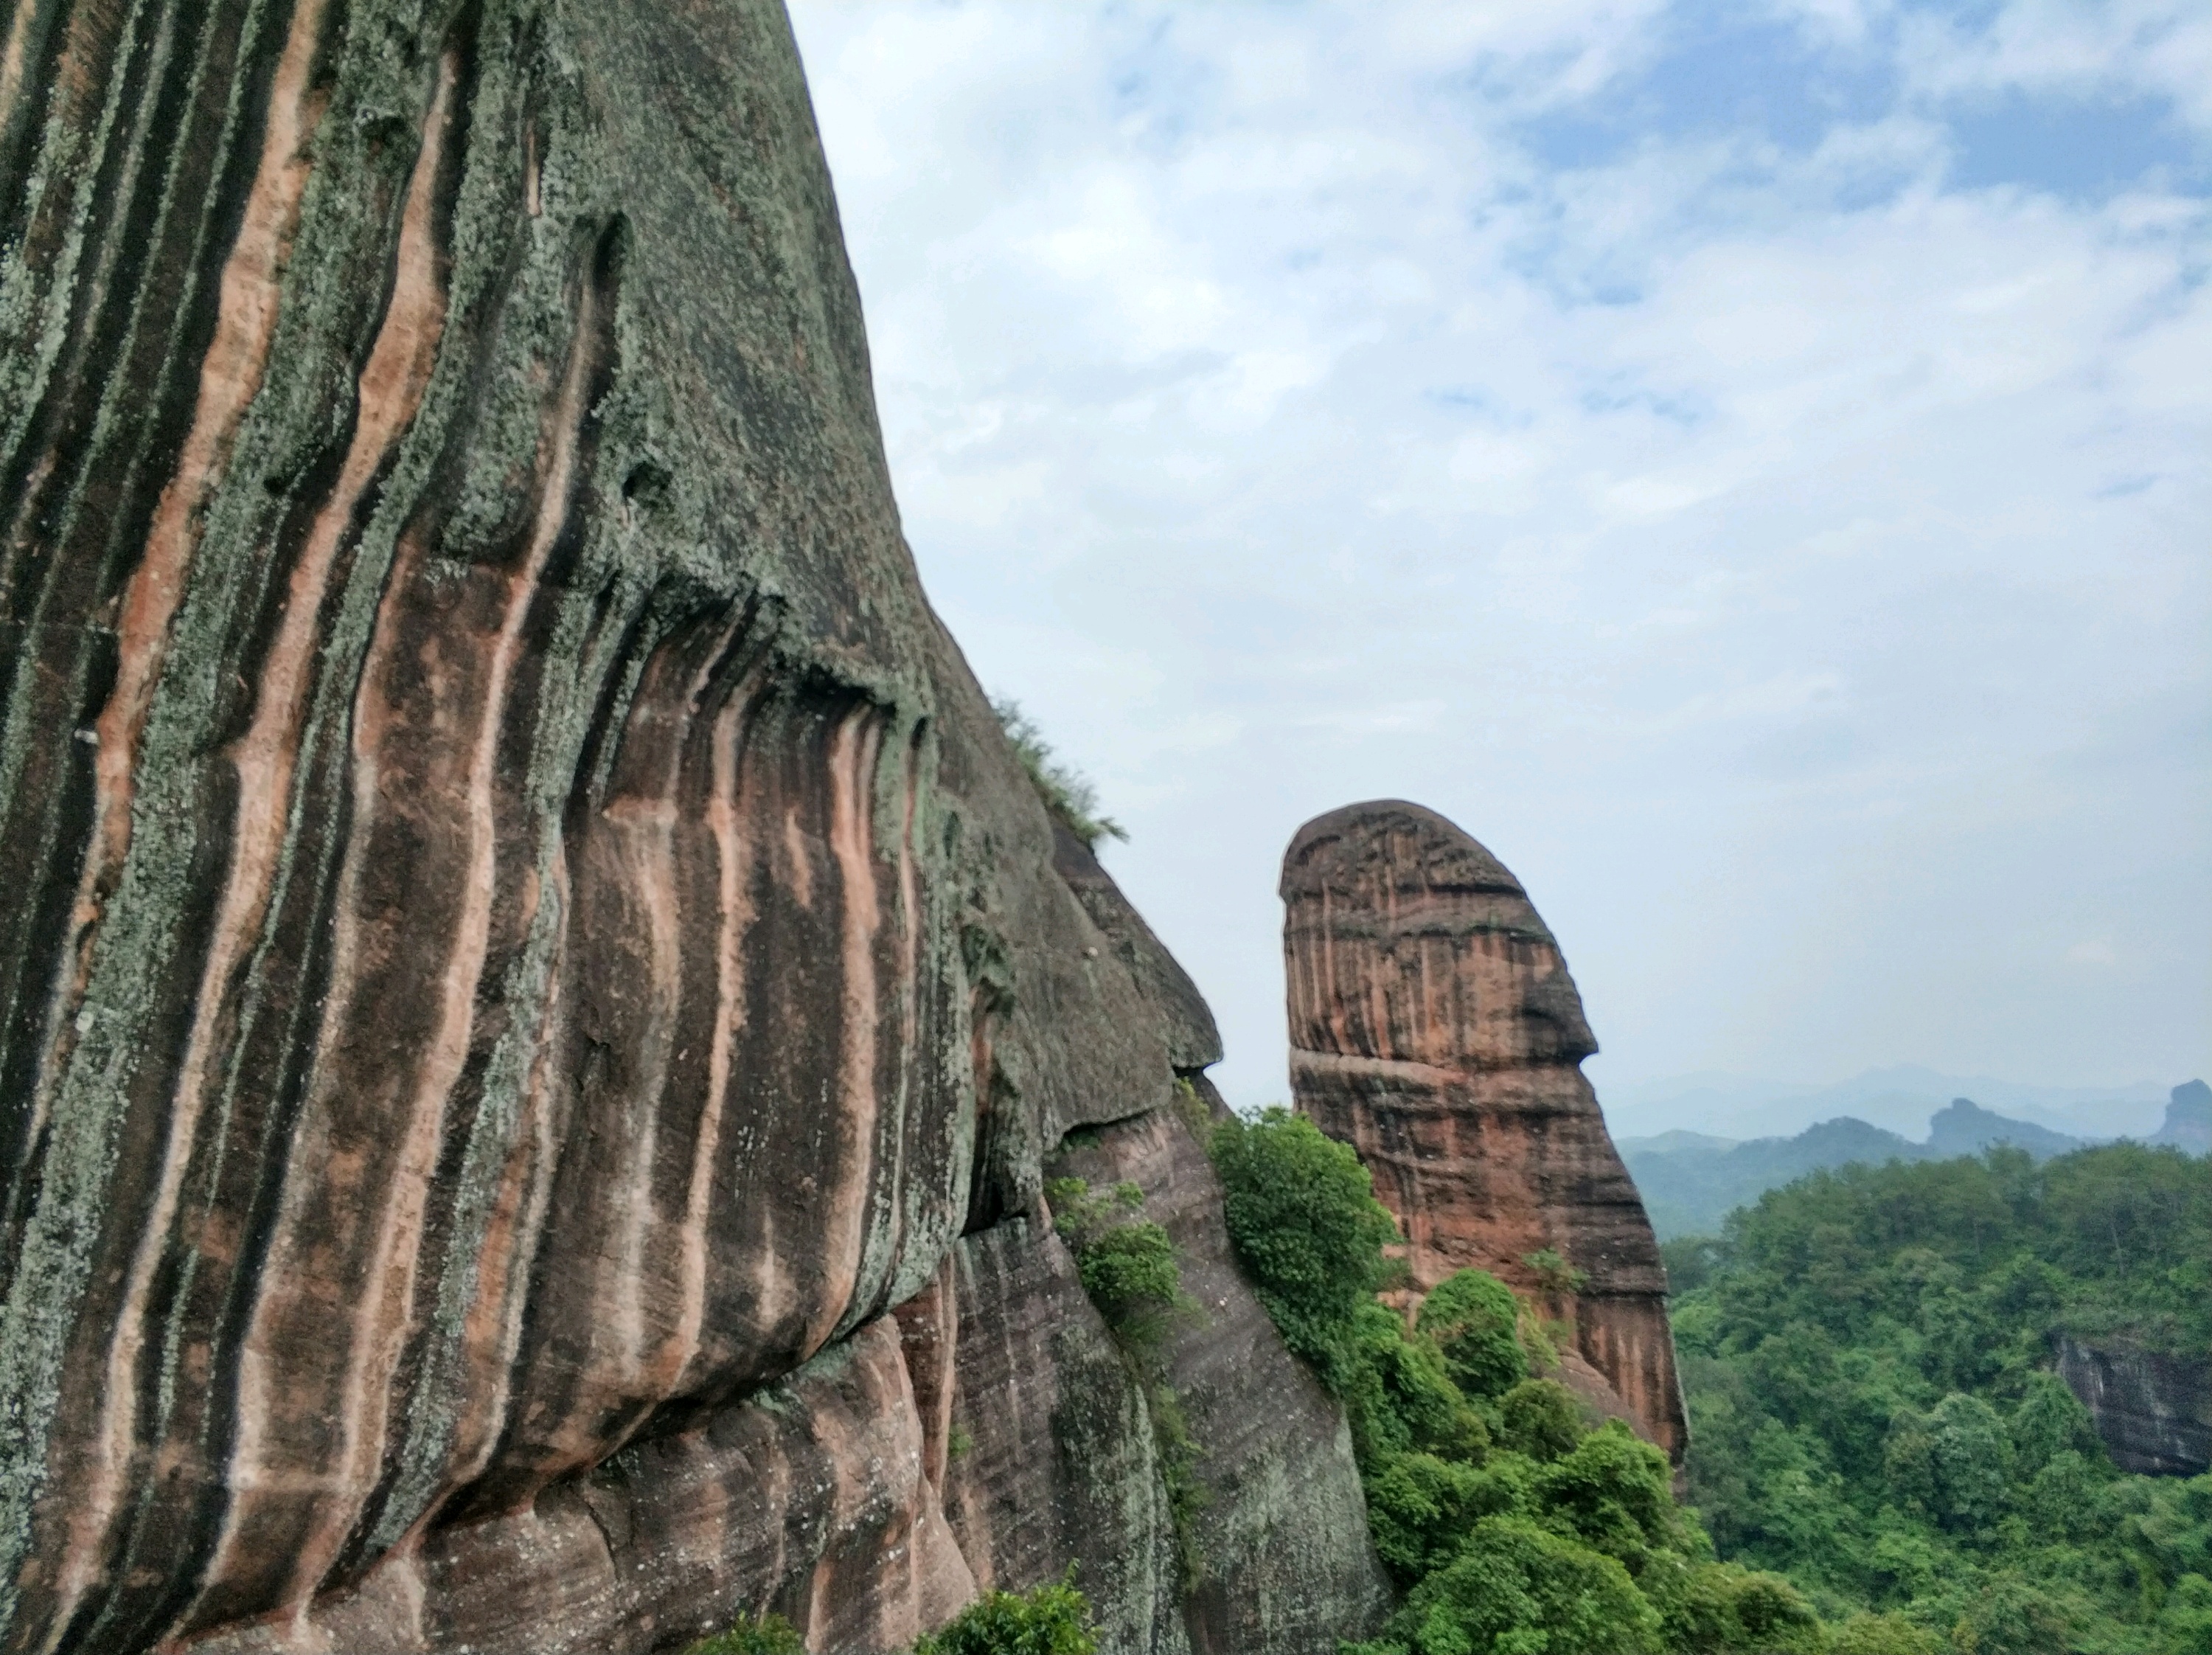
point(1735, 459)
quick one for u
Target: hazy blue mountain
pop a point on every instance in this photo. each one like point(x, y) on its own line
point(1966, 1128)
point(1900, 1097)
point(1688, 1188)
point(1692, 1181)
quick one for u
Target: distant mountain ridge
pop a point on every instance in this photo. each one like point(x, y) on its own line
point(1691, 1181)
point(1898, 1097)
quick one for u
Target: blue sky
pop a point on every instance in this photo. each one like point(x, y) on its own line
point(1750, 465)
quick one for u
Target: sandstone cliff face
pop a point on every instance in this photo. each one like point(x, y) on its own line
point(526, 941)
point(1434, 1026)
point(2154, 1411)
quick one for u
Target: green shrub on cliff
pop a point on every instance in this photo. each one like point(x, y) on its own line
point(1127, 1261)
point(1471, 1316)
point(1517, 1528)
point(1128, 1268)
point(771, 1634)
point(1515, 1588)
point(1301, 1211)
point(1054, 1619)
point(1067, 792)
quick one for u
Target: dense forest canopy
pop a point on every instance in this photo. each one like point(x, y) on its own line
point(1516, 1523)
point(1882, 1460)
point(1869, 1353)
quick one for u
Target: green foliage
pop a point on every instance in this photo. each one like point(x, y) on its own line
point(1690, 1262)
point(1051, 1619)
point(771, 1634)
point(1472, 1316)
point(1867, 1365)
point(1421, 1508)
point(1127, 1261)
point(1131, 1270)
point(1067, 792)
point(1554, 1272)
point(2184, 1625)
point(1128, 1268)
point(1883, 1634)
point(1517, 1528)
point(1710, 1606)
point(1400, 1398)
point(1614, 1493)
point(1517, 1589)
point(1540, 1419)
point(1302, 1211)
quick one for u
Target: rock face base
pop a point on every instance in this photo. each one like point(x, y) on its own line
point(1280, 1530)
point(1434, 1027)
point(810, 1500)
point(2153, 1412)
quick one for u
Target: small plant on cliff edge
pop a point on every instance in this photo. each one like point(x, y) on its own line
point(771, 1634)
point(1067, 792)
point(1128, 1268)
point(1054, 1619)
point(1555, 1273)
point(1127, 1261)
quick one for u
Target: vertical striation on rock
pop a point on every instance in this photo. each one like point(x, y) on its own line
point(2153, 1410)
point(528, 939)
point(811, 1500)
point(1434, 1027)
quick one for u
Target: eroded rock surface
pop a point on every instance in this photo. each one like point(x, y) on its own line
point(526, 941)
point(1052, 1459)
point(810, 1500)
point(1434, 1026)
point(1281, 1535)
point(2154, 1411)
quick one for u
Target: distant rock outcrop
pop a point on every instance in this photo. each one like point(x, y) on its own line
point(2153, 1410)
point(1434, 1026)
point(2188, 1119)
point(1965, 1127)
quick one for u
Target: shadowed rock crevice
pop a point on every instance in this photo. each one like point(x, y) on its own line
point(1435, 1028)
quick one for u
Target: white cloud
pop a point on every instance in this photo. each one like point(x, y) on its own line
point(1785, 558)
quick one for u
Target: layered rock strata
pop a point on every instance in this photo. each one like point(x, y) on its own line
point(1434, 1027)
point(527, 942)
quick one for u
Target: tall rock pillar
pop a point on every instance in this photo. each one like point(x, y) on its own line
point(1434, 1027)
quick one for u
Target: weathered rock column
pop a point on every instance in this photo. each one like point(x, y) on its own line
point(1434, 1026)
point(506, 880)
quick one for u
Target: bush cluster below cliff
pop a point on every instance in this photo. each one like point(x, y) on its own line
point(1515, 1528)
point(1868, 1353)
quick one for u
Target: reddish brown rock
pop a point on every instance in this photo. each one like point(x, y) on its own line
point(1434, 1026)
point(524, 934)
point(811, 1500)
